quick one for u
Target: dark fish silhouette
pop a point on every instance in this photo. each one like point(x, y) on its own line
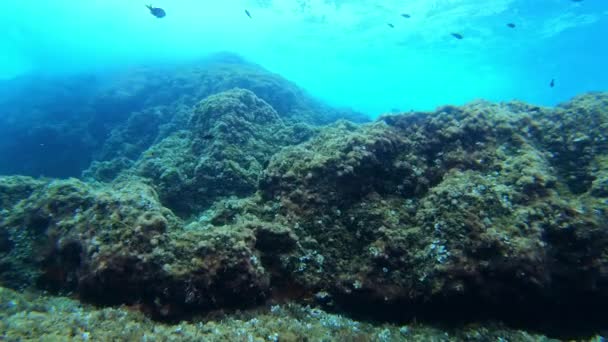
point(552, 84)
point(405, 15)
point(248, 14)
point(157, 11)
point(207, 136)
point(390, 25)
point(511, 25)
point(457, 35)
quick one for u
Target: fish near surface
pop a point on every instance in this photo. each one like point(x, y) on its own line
point(457, 35)
point(156, 11)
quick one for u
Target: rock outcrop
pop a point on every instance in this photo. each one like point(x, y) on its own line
point(488, 210)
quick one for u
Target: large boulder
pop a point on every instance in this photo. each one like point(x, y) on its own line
point(465, 206)
point(230, 138)
point(114, 245)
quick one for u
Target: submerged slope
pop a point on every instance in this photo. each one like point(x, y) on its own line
point(482, 211)
point(56, 126)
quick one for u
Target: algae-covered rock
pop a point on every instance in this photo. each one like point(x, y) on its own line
point(482, 211)
point(16, 188)
point(230, 139)
point(68, 122)
point(27, 316)
point(106, 171)
point(56, 223)
point(599, 187)
point(466, 203)
point(576, 133)
point(117, 244)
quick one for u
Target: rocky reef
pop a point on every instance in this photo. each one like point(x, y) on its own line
point(481, 212)
point(57, 126)
point(231, 137)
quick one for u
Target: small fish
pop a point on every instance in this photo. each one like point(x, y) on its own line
point(248, 14)
point(390, 25)
point(156, 11)
point(457, 35)
point(405, 15)
point(511, 25)
point(207, 136)
point(552, 84)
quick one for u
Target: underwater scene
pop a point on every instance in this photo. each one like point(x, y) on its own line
point(304, 170)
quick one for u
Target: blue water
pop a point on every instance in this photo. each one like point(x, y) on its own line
point(343, 52)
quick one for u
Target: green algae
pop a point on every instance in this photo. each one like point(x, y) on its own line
point(463, 214)
point(231, 138)
point(35, 317)
point(487, 207)
point(121, 113)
